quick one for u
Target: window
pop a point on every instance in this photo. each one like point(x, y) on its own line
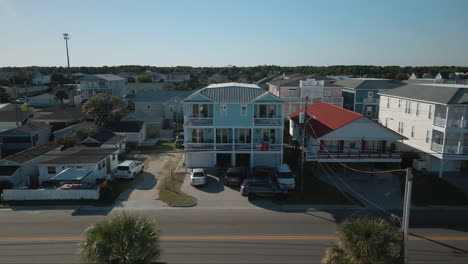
point(51, 170)
point(412, 131)
point(269, 135)
point(408, 107)
point(244, 135)
point(222, 135)
point(429, 115)
point(400, 127)
point(427, 136)
point(197, 135)
point(417, 109)
point(223, 110)
point(369, 111)
point(388, 102)
point(243, 110)
point(370, 94)
point(399, 103)
point(171, 108)
point(327, 93)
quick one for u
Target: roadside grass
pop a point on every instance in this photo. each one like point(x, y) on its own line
point(25, 108)
point(170, 189)
point(429, 189)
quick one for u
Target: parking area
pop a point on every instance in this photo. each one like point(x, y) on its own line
point(145, 185)
point(214, 192)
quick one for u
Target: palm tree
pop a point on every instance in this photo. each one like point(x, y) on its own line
point(61, 95)
point(365, 240)
point(124, 239)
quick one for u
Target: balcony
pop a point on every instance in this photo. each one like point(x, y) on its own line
point(370, 100)
point(451, 123)
point(198, 121)
point(232, 147)
point(449, 149)
point(353, 156)
point(275, 121)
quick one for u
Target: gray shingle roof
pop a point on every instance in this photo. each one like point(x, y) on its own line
point(444, 94)
point(160, 96)
point(79, 155)
point(32, 153)
point(232, 92)
point(31, 127)
point(11, 116)
point(369, 83)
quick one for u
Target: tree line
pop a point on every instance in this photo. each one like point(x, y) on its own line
point(391, 72)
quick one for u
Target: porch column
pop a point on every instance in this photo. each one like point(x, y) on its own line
point(214, 140)
point(441, 168)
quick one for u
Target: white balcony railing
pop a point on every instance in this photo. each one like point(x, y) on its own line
point(351, 155)
point(232, 147)
point(449, 149)
point(267, 121)
point(198, 121)
point(370, 100)
point(439, 121)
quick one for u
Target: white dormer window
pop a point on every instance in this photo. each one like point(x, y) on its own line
point(224, 110)
point(243, 110)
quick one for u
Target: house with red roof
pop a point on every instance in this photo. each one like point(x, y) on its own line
point(335, 134)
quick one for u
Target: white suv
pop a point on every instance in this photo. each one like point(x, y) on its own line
point(198, 177)
point(129, 168)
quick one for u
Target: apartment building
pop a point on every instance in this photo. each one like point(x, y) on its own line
point(434, 118)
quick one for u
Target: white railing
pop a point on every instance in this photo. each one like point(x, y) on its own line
point(267, 121)
point(449, 149)
point(232, 147)
point(49, 194)
point(439, 121)
point(351, 155)
point(333, 100)
point(436, 147)
point(370, 100)
point(198, 121)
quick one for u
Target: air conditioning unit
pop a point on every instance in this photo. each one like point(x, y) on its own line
point(419, 164)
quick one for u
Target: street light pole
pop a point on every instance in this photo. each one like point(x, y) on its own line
point(66, 37)
point(303, 152)
point(406, 211)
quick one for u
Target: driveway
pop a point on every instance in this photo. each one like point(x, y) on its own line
point(381, 189)
point(145, 186)
point(215, 195)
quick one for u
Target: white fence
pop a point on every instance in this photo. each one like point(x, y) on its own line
point(32, 195)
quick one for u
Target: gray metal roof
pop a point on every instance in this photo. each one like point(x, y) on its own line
point(444, 94)
point(79, 155)
point(232, 92)
point(369, 83)
point(71, 174)
point(159, 96)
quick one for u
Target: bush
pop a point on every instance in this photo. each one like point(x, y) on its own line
point(106, 192)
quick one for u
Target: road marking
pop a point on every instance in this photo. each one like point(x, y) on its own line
point(188, 238)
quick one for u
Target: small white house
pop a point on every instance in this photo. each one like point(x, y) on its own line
point(40, 78)
point(101, 162)
point(105, 138)
point(43, 100)
point(133, 131)
point(27, 172)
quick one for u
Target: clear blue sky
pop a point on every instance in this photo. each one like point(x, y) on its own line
point(242, 33)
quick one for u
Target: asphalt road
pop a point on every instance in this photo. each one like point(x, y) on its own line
point(225, 236)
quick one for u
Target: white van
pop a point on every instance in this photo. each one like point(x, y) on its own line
point(285, 176)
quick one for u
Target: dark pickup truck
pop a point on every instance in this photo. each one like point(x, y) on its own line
point(254, 188)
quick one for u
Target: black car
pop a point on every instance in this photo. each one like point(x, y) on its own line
point(263, 173)
point(235, 176)
point(254, 188)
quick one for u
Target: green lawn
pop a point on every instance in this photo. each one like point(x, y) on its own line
point(429, 189)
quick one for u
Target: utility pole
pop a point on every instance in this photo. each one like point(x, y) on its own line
point(406, 211)
point(66, 37)
point(303, 152)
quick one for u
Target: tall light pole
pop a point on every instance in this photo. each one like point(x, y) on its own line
point(66, 38)
point(305, 120)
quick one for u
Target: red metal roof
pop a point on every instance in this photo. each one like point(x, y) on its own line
point(326, 118)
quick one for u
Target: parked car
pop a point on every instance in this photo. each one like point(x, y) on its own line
point(179, 142)
point(198, 177)
point(263, 173)
point(128, 169)
point(21, 100)
point(285, 177)
point(235, 176)
point(254, 188)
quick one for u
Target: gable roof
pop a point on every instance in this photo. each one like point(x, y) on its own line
point(159, 96)
point(369, 83)
point(75, 127)
point(106, 77)
point(325, 118)
point(79, 155)
point(32, 153)
point(231, 93)
point(31, 127)
point(438, 93)
point(125, 126)
point(105, 136)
